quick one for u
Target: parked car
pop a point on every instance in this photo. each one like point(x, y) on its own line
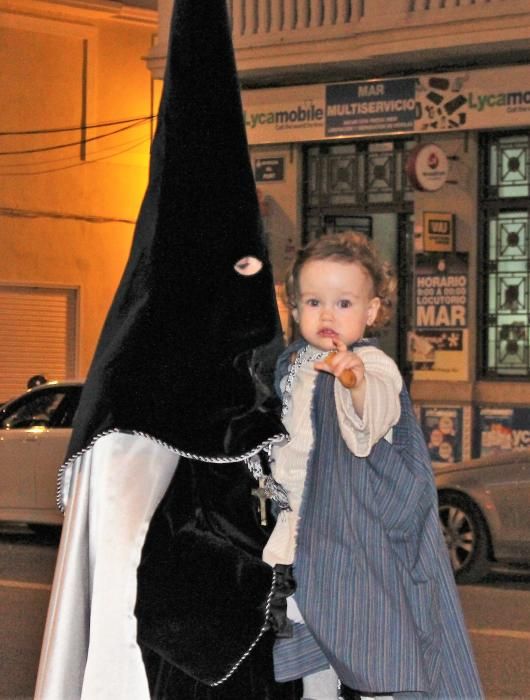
point(484, 504)
point(484, 507)
point(35, 430)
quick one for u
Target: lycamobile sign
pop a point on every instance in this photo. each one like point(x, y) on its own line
point(286, 118)
point(499, 99)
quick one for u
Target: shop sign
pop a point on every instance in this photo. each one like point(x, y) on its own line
point(375, 106)
point(438, 345)
point(269, 169)
point(427, 168)
point(284, 115)
point(442, 428)
point(438, 232)
point(504, 429)
point(473, 99)
point(431, 103)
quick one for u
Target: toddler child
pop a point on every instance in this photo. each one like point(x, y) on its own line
point(375, 607)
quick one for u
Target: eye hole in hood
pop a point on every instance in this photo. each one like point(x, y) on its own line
point(248, 266)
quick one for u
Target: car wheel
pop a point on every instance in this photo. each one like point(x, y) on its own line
point(466, 537)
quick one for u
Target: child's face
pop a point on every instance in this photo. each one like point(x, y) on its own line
point(335, 302)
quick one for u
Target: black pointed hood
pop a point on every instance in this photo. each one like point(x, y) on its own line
point(172, 358)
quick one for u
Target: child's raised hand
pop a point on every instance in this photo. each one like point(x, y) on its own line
point(345, 365)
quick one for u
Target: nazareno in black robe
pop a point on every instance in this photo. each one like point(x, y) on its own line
point(173, 363)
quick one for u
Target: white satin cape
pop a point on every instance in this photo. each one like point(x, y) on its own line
point(89, 649)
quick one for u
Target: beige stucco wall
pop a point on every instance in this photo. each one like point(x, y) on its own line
point(458, 197)
point(62, 253)
point(65, 221)
point(282, 199)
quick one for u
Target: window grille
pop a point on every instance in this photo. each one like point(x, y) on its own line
point(509, 167)
point(358, 175)
point(506, 255)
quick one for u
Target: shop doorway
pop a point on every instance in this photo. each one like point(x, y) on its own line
point(362, 186)
point(388, 230)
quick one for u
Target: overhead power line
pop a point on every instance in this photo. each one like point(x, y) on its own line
point(56, 130)
point(31, 163)
point(74, 165)
point(74, 143)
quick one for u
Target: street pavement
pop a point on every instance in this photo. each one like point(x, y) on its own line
point(497, 613)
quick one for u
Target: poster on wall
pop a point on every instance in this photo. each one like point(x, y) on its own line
point(437, 347)
point(504, 429)
point(443, 430)
point(426, 103)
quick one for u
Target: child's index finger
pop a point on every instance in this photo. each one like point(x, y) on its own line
point(339, 345)
point(347, 377)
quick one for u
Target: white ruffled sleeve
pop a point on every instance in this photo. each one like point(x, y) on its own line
point(381, 405)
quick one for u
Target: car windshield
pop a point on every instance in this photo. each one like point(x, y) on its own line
point(34, 411)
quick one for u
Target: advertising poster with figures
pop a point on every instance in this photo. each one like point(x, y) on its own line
point(437, 348)
point(442, 102)
point(442, 428)
point(504, 429)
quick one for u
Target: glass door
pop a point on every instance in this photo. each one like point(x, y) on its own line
point(391, 233)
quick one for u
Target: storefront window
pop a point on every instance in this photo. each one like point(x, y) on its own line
point(506, 256)
point(508, 301)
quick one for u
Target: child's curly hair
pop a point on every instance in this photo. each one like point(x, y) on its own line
point(347, 247)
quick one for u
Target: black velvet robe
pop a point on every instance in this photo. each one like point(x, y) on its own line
point(202, 590)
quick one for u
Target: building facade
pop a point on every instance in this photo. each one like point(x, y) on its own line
point(75, 128)
point(408, 120)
